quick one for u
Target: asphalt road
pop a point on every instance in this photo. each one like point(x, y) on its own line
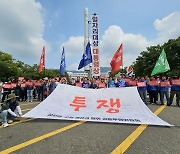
point(89, 137)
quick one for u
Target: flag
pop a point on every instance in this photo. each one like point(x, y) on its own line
point(130, 71)
point(116, 61)
point(42, 60)
point(63, 63)
point(86, 58)
point(161, 64)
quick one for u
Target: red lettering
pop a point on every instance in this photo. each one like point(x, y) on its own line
point(102, 103)
point(78, 102)
point(95, 51)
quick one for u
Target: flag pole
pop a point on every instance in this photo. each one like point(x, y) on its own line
point(44, 62)
point(122, 56)
point(86, 38)
point(44, 71)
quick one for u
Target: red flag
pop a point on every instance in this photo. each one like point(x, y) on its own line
point(42, 60)
point(116, 61)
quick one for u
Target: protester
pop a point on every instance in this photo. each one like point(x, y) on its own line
point(63, 80)
point(1, 89)
point(52, 86)
point(17, 90)
point(30, 87)
point(164, 90)
point(39, 88)
point(102, 83)
point(45, 88)
point(10, 110)
point(7, 87)
point(85, 83)
point(23, 91)
point(142, 89)
point(175, 90)
point(152, 89)
point(132, 82)
point(93, 84)
point(158, 88)
point(120, 82)
point(78, 82)
point(111, 83)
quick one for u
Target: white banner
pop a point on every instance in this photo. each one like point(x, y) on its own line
point(114, 105)
point(95, 45)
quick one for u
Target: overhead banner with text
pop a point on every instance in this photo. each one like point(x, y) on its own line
point(114, 105)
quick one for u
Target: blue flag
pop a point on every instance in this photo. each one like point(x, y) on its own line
point(63, 63)
point(86, 58)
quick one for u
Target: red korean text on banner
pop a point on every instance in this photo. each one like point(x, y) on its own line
point(117, 60)
point(176, 82)
point(164, 84)
point(132, 83)
point(13, 85)
point(29, 83)
point(37, 84)
point(23, 85)
point(78, 102)
point(101, 85)
point(7, 86)
point(112, 108)
point(153, 83)
point(127, 79)
point(141, 84)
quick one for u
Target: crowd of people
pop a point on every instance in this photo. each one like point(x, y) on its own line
point(23, 90)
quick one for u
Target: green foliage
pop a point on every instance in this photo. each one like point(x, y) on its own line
point(7, 67)
point(145, 63)
point(11, 69)
point(120, 71)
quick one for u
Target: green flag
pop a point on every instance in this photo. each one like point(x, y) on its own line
point(161, 65)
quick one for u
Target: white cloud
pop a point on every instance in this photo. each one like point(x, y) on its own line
point(21, 29)
point(111, 40)
point(132, 45)
point(74, 49)
point(168, 27)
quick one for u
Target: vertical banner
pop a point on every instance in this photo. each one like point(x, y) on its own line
point(95, 46)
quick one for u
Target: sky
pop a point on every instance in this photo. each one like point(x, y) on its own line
point(28, 25)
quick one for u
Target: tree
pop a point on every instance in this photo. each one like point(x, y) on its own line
point(145, 63)
point(7, 67)
point(12, 69)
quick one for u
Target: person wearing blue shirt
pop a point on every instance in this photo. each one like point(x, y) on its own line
point(164, 91)
point(93, 84)
point(175, 90)
point(120, 82)
point(110, 83)
point(152, 89)
point(85, 83)
point(52, 86)
point(143, 90)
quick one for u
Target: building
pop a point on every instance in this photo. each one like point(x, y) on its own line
point(73, 74)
